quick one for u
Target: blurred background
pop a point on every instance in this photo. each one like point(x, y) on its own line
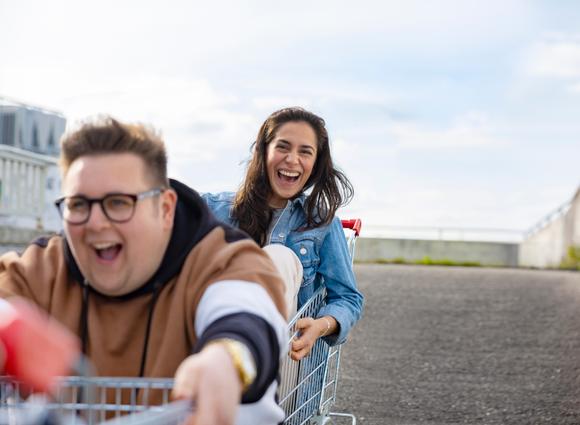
point(456, 121)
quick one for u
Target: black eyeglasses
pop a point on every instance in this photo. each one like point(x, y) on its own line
point(117, 207)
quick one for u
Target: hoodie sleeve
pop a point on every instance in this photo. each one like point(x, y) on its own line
point(32, 274)
point(244, 311)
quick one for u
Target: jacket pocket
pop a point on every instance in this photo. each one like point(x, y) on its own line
point(306, 250)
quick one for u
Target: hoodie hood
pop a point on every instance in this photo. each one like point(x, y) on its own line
point(192, 222)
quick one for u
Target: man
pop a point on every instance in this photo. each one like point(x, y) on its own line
point(152, 284)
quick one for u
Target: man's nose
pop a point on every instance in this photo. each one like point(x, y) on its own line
point(97, 218)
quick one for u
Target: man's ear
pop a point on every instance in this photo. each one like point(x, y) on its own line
point(168, 204)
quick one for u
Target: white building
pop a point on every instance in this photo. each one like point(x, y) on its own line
point(29, 177)
point(30, 128)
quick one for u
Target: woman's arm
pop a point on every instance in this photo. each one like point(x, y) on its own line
point(344, 302)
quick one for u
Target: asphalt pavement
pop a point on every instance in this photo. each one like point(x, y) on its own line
point(445, 345)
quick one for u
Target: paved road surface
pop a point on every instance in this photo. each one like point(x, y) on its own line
point(441, 345)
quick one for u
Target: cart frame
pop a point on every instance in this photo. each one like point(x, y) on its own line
point(307, 391)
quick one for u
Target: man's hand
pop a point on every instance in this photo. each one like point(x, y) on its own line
point(210, 379)
point(310, 330)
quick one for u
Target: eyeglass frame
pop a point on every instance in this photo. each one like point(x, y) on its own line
point(136, 197)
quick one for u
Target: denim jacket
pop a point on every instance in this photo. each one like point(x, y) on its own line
point(323, 253)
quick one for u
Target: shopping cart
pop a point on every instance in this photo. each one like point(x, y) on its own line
point(307, 391)
point(308, 388)
point(87, 401)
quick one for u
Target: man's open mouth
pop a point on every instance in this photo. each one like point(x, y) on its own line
point(107, 251)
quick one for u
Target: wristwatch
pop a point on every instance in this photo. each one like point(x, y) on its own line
point(242, 358)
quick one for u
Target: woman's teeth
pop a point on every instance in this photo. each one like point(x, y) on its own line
point(288, 175)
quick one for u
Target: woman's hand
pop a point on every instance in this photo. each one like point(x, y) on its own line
point(209, 378)
point(310, 330)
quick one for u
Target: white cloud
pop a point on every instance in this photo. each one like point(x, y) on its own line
point(575, 88)
point(555, 57)
point(271, 104)
point(196, 120)
point(471, 129)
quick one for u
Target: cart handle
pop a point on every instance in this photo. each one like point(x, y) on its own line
point(354, 224)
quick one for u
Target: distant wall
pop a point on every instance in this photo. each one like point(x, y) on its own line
point(16, 239)
point(548, 245)
point(544, 248)
point(485, 253)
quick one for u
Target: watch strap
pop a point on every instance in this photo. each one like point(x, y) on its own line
point(242, 359)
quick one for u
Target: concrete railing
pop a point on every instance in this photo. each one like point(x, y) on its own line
point(546, 244)
point(409, 250)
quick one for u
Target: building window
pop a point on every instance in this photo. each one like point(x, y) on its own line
point(7, 124)
point(51, 140)
point(35, 144)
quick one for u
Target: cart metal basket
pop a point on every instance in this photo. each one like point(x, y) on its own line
point(307, 391)
point(80, 401)
point(308, 387)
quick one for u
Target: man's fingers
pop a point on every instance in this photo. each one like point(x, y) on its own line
point(210, 379)
point(182, 386)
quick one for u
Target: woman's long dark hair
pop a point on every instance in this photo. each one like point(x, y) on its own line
point(331, 189)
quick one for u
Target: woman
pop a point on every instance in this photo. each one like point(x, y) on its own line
point(289, 196)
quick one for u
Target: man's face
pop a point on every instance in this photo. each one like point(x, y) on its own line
point(118, 258)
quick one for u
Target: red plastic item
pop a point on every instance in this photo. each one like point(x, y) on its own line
point(37, 349)
point(354, 224)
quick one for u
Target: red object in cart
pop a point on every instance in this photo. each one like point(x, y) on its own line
point(355, 224)
point(37, 349)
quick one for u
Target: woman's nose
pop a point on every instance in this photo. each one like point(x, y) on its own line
point(291, 157)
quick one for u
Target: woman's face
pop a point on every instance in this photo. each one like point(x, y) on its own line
point(290, 158)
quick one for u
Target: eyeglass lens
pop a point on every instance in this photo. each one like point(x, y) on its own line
point(116, 208)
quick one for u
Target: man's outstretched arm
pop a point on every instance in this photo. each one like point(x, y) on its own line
point(243, 313)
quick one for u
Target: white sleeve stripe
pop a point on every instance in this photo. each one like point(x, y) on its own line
point(236, 296)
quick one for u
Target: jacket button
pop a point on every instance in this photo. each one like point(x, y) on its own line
point(303, 251)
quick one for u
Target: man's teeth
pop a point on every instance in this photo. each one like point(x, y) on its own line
point(104, 245)
point(289, 173)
